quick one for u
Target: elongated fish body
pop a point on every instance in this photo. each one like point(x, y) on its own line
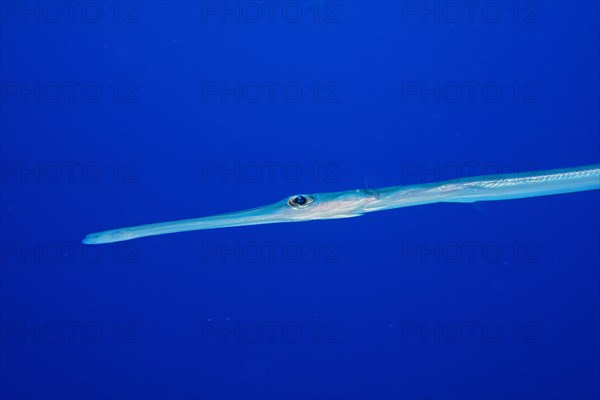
point(501, 187)
point(354, 203)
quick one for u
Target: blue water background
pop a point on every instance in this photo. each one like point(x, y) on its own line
point(377, 300)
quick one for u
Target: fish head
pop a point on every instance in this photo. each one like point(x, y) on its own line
point(307, 207)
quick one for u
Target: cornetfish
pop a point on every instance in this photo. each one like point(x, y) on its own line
point(353, 203)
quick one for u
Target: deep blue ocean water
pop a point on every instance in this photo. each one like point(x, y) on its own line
point(123, 113)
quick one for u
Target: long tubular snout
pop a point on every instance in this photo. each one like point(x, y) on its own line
point(255, 216)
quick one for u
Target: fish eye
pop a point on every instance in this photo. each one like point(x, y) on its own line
point(300, 201)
